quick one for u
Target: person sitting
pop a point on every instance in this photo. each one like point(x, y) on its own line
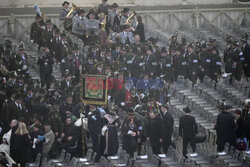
point(49, 139)
point(68, 136)
point(37, 138)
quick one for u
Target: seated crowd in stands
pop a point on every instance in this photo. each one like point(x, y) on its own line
point(40, 117)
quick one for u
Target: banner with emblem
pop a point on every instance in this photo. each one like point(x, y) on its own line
point(94, 89)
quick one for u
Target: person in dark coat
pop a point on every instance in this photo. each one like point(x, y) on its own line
point(225, 128)
point(69, 136)
point(140, 29)
point(34, 29)
point(110, 131)
point(37, 138)
point(130, 133)
point(167, 128)
point(180, 63)
point(215, 64)
point(241, 129)
point(103, 7)
point(95, 127)
point(45, 62)
point(205, 59)
point(187, 130)
point(154, 132)
point(193, 64)
point(16, 110)
point(19, 145)
point(245, 52)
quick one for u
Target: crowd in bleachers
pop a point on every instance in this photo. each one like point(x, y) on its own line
point(41, 117)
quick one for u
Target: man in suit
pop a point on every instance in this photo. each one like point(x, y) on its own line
point(65, 10)
point(187, 130)
point(193, 63)
point(34, 29)
point(154, 132)
point(245, 52)
point(167, 128)
point(16, 110)
point(45, 62)
point(225, 128)
point(114, 19)
point(126, 37)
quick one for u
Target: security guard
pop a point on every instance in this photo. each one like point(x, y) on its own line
point(165, 64)
point(215, 64)
point(193, 63)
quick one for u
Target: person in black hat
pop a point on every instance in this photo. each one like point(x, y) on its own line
point(45, 62)
point(166, 66)
point(65, 10)
point(245, 51)
point(47, 34)
point(180, 63)
point(92, 28)
point(205, 65)
point(225, 128)
point(103, 7)
point(114, 18)
point(79, 25)
point(35, 26)
point(68, 64)
point(216, 64)
point(187, 130)
point(236, 64)
point(227, 54)
point(193, 63)
point(125, 15)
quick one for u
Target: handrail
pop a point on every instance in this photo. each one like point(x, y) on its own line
point(155, 11)
point(9, 159)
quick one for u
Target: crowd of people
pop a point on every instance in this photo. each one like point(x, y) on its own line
point(42, 120)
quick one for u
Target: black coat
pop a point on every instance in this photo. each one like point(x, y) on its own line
point(225, 127)
point(246, 63)
point(167, 125)
point(15, 113)
point(129, 142)
point(241, 130)
point(187, 126)
point(140, 30)
point(19, 145)
point(154, 130)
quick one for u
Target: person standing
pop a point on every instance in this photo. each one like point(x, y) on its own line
point(130, 133)
point(19, 144)
point(187, 130)
point(64, 11)
point(154, 132)
point(45, 62)
point(225, 128)
point(167, 128)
